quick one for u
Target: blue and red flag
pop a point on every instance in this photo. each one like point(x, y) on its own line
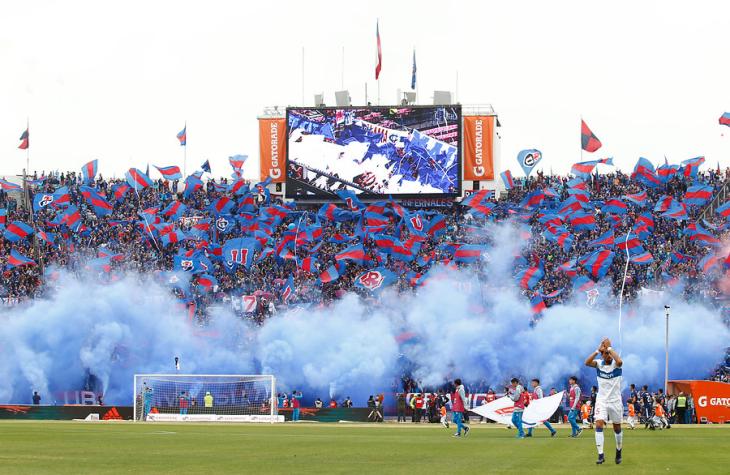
point(725, 119)
point(89, 170)
point(379, 65)
point(309, 264)
point(24, 140)
point(16, 259)
point(643, 258)
point(174, 210)
point(354, 253)
point(119, 191)
point(351, 200)
point(240, 252)
point(288, 291)
point(583, 169)
point(724, 210)
point(533, 199)
point(537, 304)
point(137, 179)
point(583, 283)
point(330, 275)
point(708, 262)
point(615, 206)
point(677, 212)
point(690, 167)
point(207, 281)
point(588, 140)
point(698, 195)
point(629, 242)
point(604, 240)
point(599, 262)
point(3, 218)
point(437, 226)
point(530, 277)
point(205, 166)
point(170, 173)
point(639, 199)
point(192, 184)
point(509, 182)
point(44, 236)
point(182, 136)
point(581, 221)
point(666, 172)
point(644, 173)
point(16, 231)
point(101, 206)
point(173, 237)
point(528, 160)
point(468, 253)
point(8, 186)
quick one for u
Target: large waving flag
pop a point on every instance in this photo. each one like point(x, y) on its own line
point(16, 259)
point(604, 240)
point(137, 179)
point(24, 140)
point(240, 251)
point(16, 231)
point(182, 136)
point(724, 210)
point(588, 141)
point(644, 173)
point(528, 160)
point(690, 167)
point(330, 275)
point(583, 169)
point(170, 173)
point(89, 170)
point(192, 184)
point(468, 253)
point(101, 206)
point(378, 66)
point(350, 199)
point(41, 201)
point(354, 253)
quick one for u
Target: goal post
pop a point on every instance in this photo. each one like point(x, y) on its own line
point(205, 398)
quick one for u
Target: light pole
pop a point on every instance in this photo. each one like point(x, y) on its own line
point(666, 348)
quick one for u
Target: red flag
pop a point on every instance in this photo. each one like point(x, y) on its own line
point(25, 140)
point(378, 66)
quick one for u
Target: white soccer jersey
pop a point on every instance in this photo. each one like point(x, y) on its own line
point(610, 381)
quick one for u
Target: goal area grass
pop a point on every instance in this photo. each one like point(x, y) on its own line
point(36, 447)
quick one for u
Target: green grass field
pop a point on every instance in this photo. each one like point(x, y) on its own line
point(150, 448)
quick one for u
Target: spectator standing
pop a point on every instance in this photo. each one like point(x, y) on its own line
point(401, 407)
point(295, 403)
point(36, 398)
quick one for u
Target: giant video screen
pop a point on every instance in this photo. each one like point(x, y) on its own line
point(407, 151)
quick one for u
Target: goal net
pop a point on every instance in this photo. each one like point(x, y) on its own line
point(205, 398)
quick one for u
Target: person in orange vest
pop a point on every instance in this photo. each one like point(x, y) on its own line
point(444, 421)
point(660, 414)
point(585, 414)
point(631, 420)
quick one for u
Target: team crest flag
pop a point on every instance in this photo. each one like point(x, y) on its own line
point(375, 280)
point(528, 160)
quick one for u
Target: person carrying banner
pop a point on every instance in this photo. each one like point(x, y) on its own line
point(514, 392)
point(538, 394)
point(574, 406)
point(458, 405)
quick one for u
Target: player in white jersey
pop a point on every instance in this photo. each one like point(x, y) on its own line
point(609, 407)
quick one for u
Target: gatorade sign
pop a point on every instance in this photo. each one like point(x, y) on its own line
point(711, 398)
point(478, 148)
point(272, 148)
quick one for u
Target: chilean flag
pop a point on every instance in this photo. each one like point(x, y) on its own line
point(24, 140)
point(16, 259)
point(378, 66)
point(137, 179)
point(588, 141)
point(16, 231)
point(170, 173)
point(531, 276)
point(89, 171)
point(182, 136)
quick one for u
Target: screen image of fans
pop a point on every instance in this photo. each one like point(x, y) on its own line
point(373, 151)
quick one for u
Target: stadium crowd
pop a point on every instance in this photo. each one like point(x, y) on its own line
point(577, 231)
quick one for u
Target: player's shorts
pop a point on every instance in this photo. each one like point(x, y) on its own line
point(608, 411)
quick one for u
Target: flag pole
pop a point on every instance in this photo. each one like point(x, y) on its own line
point(27, 149)
point(342, 70)
point(185, 150)
point(581, 145)
point(303, 100)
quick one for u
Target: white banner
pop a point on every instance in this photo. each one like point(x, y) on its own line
point(539, 410)
point(214, 418)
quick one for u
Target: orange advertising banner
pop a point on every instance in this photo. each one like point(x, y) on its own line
point(478, 148)
point(272, 148)
point(711, 399)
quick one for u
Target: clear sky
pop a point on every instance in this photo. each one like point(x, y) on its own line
point(117, 80)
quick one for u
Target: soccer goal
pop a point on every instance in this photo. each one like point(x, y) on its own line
point(205, 398)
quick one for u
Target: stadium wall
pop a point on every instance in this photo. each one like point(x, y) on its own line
point(66, 413)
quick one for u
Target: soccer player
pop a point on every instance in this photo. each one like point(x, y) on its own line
point(609, 407)
point(458, 405)
point(537, 394)
point(574, 406)
point(514, 391)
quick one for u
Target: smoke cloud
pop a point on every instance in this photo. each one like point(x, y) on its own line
point(456, 327)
